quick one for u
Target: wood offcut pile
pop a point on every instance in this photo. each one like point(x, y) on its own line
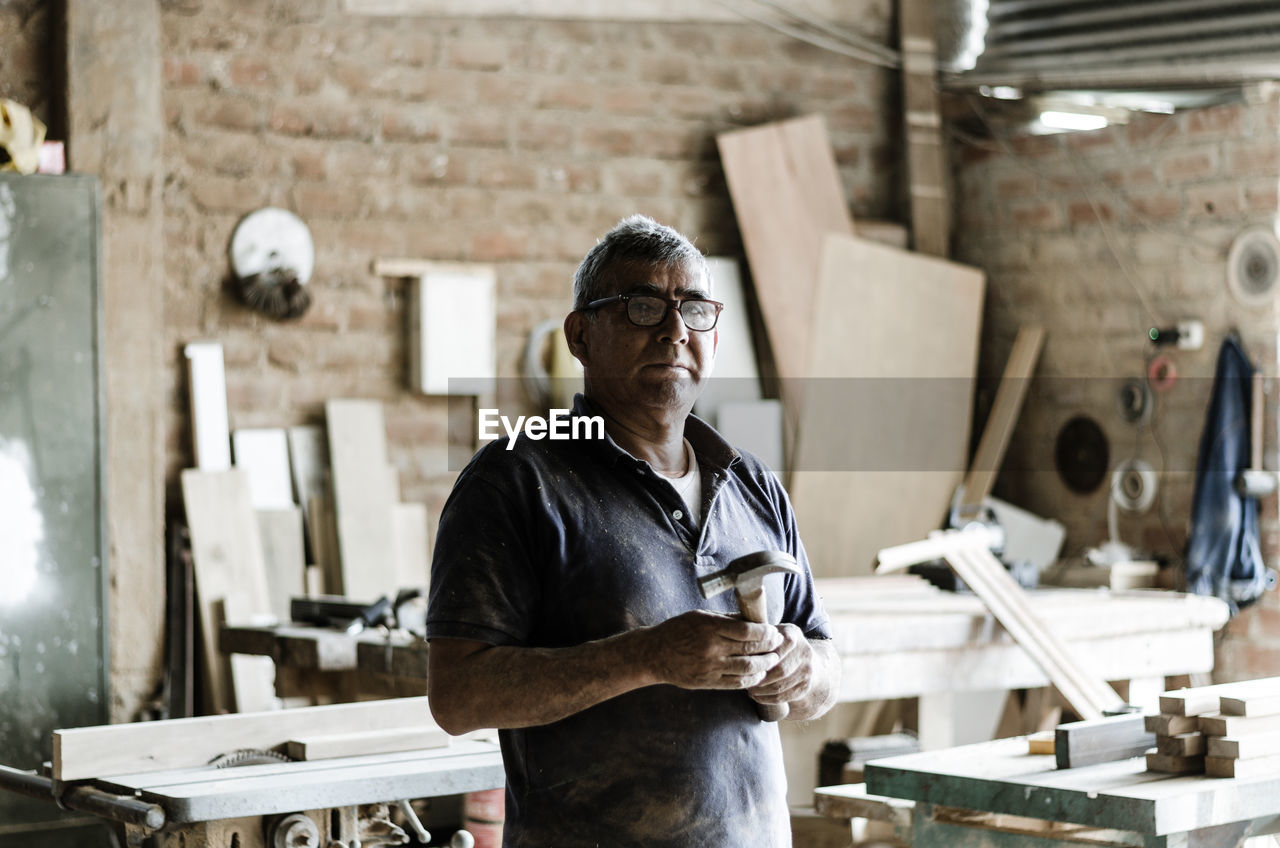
point(1226, 730)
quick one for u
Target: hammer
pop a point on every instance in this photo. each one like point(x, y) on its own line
point(746, 574)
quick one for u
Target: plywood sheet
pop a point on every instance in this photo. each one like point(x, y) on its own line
point(736, 378)
point(453, 327)
point(884, 433)
point(230, 576)
point(787, 196)
point(412, 545)
point(281, 531)
point(362, 498)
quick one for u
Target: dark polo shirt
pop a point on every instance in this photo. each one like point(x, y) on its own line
point(556, 543)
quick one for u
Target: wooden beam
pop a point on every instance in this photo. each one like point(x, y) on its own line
point(1245, 747)
point(926, 152)
point(1215, 725)
point(326, 746)
point(1004, 415)
point(1104, 740)
point(94, 752)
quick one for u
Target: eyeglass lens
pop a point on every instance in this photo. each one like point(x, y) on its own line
point(649, 311)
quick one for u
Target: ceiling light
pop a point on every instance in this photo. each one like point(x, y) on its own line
point(1072, 120)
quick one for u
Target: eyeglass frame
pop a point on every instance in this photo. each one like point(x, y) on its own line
point(670, 302)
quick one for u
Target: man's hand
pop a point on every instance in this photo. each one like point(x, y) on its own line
point(706, 650)
point(804, 676)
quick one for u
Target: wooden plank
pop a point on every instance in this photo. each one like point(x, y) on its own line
point(1181, 745)
point(453, 326)
point(263, 454)
point(1205, 699)
point(850, 801)
point(93, 752)
point(309, 468)
point(208, 379)
point(362, 498)
point(736, 378)
point(1042, 742)
point(380, 741)
point(1256, 767)
point(325, 538)
point(282, 556)
point(927, 167)
point(1086, 743)
point(895, 347)
point(1004, 415)
point(1216, 725)
point(1167, 764)
point(787, 194)
point(412, 546)
point(227, 555)
point(1253, 704)
point(1245, 747)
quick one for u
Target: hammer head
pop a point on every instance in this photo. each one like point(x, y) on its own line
point(747, 572)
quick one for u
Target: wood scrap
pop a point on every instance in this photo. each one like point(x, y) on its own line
point(1256, 767)
point(1220, 725)
point(1181, 745)
point(381, 741)
point(1171, 725)
point(1167, 764)
point(1245, 747)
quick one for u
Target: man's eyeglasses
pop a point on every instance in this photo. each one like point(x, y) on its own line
point(644, 310)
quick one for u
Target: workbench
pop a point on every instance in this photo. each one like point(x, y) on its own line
point(962, 796)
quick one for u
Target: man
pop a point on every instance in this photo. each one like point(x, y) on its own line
point(564, 606)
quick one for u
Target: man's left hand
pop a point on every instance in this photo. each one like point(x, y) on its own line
point(805, 677)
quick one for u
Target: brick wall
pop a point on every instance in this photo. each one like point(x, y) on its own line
point(1100, 236)
point(504, 141)
point(25, 55)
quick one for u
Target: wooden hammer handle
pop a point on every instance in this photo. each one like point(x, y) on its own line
point(753, 607)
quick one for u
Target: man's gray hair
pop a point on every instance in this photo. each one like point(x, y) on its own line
point(637, 239)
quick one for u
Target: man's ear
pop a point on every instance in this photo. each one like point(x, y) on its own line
point(575, 334)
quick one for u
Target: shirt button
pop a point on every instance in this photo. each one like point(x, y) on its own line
point(677, 515)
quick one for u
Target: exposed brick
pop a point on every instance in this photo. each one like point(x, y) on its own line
point(215, 193)
point(252, 72)
point(322, 200)
point(1095, 141)
point(669, 69)
point(1128, 177)
point(1018, 185)
point(1263, 195)
point(1218, 121)
point(608, 141)
point(543, 132)
point(1214, 200)
point(634, 99)
point(634, 177)
point(411, 123)
point(233, 113)
point(179, 72)
point(1084, 212)
point(1256, 159)
point(497, 246)
point(1159, 204)
point(504, 90)
point(1184, 167)
point(309, 164)
point(479, 130)
point(488, 54)
point(567, 94)
point(1038, 215)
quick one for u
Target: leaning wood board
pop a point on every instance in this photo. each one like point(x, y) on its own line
point(282, 554)
point(884, 437)
point(115, 749)
point(231, 579)
point(362, 499)
point(787, 195)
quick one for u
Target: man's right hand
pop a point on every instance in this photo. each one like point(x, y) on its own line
point(707, 650)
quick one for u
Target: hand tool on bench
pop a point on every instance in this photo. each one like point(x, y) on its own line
point(746, 575)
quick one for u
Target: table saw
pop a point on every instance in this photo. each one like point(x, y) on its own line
point(256, 798)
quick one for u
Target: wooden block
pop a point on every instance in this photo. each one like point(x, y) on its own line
point(381, 741)
point(453, 325)
point(1245, 747)
point(1171, 725)
point(117, 749)
point(1086, 743)
point(895, 343)
point(227, 554)
point(209, 405)
point(736, 378)
point(1181, 745)
point(1206, 699)
point(413, 549)
point(281, 531)
point(1175, 765)
point(1215, 725)
point(787, 194)
point(1004, 415)
point(362, 498)
point(263, 454)
point(1252, 706)
point(1255, 767)
point(1041, 743)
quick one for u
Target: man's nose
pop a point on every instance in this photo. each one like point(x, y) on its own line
point(673, 329)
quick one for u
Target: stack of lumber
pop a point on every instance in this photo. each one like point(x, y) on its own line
point(1226, 730)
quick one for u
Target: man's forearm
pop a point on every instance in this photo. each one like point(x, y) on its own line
point(512, 687)
point(822, 695)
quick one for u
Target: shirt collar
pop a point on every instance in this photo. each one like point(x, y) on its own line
point(710, 447)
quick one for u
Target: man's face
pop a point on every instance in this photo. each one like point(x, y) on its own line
point(659, 367)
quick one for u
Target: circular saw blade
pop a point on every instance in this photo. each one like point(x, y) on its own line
point(272, 239)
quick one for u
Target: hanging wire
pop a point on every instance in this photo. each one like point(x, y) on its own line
point(844, 44)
